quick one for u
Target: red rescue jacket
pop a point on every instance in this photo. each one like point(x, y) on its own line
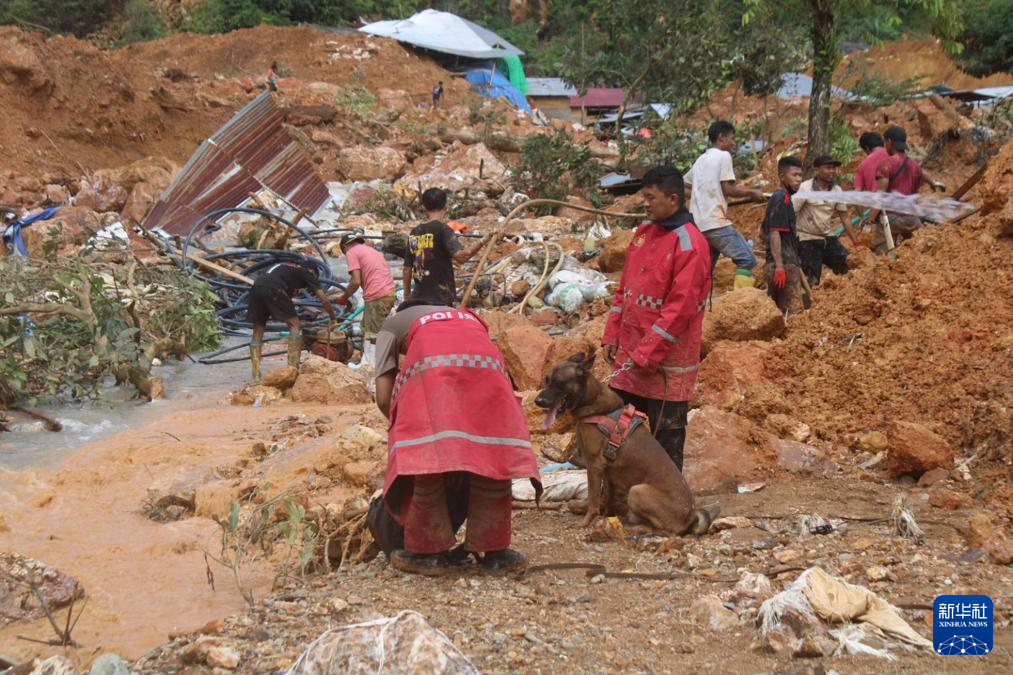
point(656, 318)
point(454, 409)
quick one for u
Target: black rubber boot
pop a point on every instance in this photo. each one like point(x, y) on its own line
point(507, 560)
point(673, 441)
point(431, 565)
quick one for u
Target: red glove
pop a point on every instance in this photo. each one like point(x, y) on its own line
point(780, 278)
point(341, 300)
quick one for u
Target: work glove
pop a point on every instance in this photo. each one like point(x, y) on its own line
point(341, 300)
point(780, 278)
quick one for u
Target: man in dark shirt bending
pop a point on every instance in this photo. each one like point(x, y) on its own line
point(271, 296)
point(783, 269)
point(433, 249)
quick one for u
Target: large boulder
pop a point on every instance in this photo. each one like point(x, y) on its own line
point(524, 349)
point(915, 449)
point(366, 163)
point(177, 487)
point(745, 314)
point(20, 65)
point(140, 200)
point(329, 382)
point(155, 171)
point(68, 231)
point(724, 449)
point(613, 254)
point(100, 195)
point(18, 600)
point(462, 167)
point(730, 372)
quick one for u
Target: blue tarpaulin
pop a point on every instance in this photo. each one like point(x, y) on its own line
point(493, 84)
point(12, 234)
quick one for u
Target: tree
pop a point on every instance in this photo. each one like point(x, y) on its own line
point(79, 17)
point(825, 36)
point(987, 37)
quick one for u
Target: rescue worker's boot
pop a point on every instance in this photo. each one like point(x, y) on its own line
point(294, 349)
point(255, 349)
point(743, 279)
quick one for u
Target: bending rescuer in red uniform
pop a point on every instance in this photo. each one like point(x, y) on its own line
point(455, 424)
point(656, 320)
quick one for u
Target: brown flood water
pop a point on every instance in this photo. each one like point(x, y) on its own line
point(143, 579)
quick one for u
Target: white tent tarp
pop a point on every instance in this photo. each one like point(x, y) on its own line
point(444, 32)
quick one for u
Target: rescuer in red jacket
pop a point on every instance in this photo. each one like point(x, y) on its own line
point(653, 331)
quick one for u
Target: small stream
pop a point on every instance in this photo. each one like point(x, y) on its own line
point(188, 385)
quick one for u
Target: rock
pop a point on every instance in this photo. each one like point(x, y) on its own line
point(524, 349)
point(731, 372)
point(329, 382)
point(802, 458)
point(142, 197)
point(949, 499)
point(877, 573)
point(177, 487)
point(710, 613)
point(742, 315)
point(281, 378)
point(544, 318)
point(54, 665)
point(607, 529)
point(156, 172)
point(1000, 547)
point(863, 543)
point(368, 163)
point(109, 664)
point(223, 657)
point(915, 449)
point(778, 639)
point(786, 427)
point(980, 527)
point(18, 602)
point(362, 474)
point(498, 321)
point(321, 137)
point(815, 646)
point(519, 288)
point(471, 167)
point(577, 215)
point(98, 195)
point(752, 589)
point(253, 394)
point(874, 441)
point(214, 499)
point(67, 232)
point(731, 523)
point(56, 194)
point(363, 437)
point(20, 64)
point(724, 449)
point(613, 254)
point(786, 556)
point(930, 478)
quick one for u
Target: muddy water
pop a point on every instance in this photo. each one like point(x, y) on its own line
point(74, 501)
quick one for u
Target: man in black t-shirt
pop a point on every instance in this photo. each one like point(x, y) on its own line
point(271, 296)
point(433, 249)
point(783, 268)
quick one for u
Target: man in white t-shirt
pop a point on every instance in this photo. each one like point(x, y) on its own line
point(710, 183)
point(820, 222)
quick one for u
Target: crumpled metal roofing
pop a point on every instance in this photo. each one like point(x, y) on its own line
point(251, 152)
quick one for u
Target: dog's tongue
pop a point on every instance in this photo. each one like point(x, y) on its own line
point(553, 413)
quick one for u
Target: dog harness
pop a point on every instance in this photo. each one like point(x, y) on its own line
point(617, 426)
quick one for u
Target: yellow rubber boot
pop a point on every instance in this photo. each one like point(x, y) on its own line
point(743, 279)
point(255, 349)
point(294, 350)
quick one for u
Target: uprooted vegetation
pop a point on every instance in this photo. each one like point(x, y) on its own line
point(68, 324)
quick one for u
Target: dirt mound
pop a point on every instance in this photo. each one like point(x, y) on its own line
point(925, 338)
point(924, 59)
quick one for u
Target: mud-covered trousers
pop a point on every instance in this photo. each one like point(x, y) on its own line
point(669, 430)
point(428, 528)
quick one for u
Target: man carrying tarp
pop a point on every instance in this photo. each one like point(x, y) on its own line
point(453, 416)
point(271, 296)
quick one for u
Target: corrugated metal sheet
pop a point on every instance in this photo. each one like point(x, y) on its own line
point(252, 151)
point(549, 86)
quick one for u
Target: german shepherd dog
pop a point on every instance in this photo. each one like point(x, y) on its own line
point(642, 484)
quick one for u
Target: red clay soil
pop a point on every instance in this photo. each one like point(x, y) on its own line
point(926, 59)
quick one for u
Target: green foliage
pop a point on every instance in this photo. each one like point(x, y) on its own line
point(670, 144)
point(83, 324)
point(987, 37)
point(356, 99)
point(480, 114)
point(553, 167)
point(79, 17)
point(389, 204)
point(141, 24)
point(222, 16)
point(843, 144)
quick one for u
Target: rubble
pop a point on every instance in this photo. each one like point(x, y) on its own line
point(459, 168)
point(914, 449)
point(323, 381)
point(613, 254)
point(524, 349)
point(731, 372)
point(742, 315)
point(22, 578)
point(724, 449)
point(370, 163)
point(709, 612)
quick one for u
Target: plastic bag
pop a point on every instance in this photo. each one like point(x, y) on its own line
point(567, 297)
